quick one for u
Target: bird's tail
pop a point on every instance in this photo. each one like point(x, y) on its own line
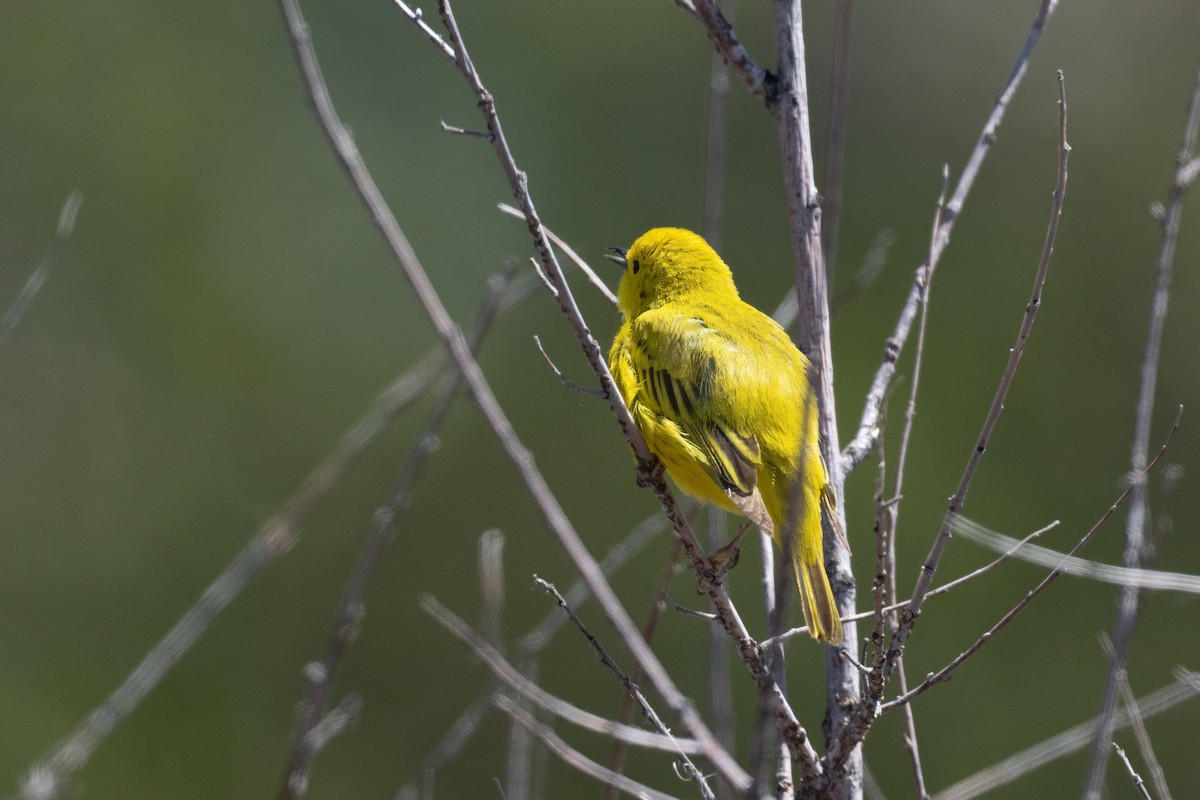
point(816, 596)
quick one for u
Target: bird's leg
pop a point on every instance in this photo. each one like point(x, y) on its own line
point(727, 557)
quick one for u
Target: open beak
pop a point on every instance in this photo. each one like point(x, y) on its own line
point(616, 255)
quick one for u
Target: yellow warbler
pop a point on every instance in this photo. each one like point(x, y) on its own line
point(723, 398)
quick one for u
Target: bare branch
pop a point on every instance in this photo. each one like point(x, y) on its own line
point(350, 609)
point(1045, 557)
point(507, 674)
point(647, 710)
point(941, 674)
point(318, 736)
point(1135, 525)
point(66, 224)
point(273, 539)
point(573, 757)
point(416, 16)
point(563, 379)
point(860, 447)
point(1130, 705)
point(1185, 686)
point(861, 615)
point(1138, 783)
point(909, 616)
point(628, 699)
point(569, 252)
point(760, 82)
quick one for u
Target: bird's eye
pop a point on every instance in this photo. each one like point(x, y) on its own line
point(636, 266)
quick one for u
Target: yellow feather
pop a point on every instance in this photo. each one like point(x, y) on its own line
point(723, 398)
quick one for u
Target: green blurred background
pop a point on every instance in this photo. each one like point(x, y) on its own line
point(225, 310)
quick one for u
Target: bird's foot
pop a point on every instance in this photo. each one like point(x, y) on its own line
point(652, 476)
point(727, 557)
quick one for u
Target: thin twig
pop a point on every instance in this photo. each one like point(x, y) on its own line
point(1135, 525)
point(1143, 579)
point(690, 770)
point(511, 677)
point(1129, 704)
point(416, 16)
point(569, 252)
point(910, 414)
point(527, 649)
point(941, 675)
point(1138, 783)
point(573, 757)
point(760, 82)
point(954, 507)
point(350, 608)
point(1185, 686)
point(617, 759)
point(485, 135)
point(946, 587)
point(276, 536)
point(66, 224)
point(867, 273)
point(720, 679)
point(563, 379)
point(860, 447)
point(452, 743)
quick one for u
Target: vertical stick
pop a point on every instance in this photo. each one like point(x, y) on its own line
point(792, 115)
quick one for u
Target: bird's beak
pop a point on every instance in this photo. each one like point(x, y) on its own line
point(616, 255)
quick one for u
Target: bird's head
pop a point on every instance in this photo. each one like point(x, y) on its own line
point(666, 264)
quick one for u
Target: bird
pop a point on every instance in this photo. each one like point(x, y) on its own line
point(723, 398)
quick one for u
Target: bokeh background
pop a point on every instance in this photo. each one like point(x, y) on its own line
point(225, 310)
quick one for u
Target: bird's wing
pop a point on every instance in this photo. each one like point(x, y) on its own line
point(682, 366)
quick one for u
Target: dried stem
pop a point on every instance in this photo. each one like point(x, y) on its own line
point(1142, 579)
point(569, 252)
point(628, 699)
point(1135, 525)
